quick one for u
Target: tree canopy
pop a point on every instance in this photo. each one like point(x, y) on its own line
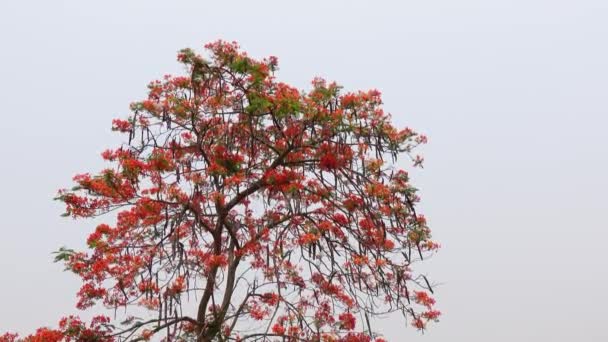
point(240, 208)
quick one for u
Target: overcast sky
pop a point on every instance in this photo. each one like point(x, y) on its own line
point(513, 95)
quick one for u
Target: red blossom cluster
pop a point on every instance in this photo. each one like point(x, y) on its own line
point(71, 329)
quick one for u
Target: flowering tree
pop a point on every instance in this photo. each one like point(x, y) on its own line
point(247, 210)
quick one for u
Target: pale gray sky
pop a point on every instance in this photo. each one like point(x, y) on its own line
point(512, 94)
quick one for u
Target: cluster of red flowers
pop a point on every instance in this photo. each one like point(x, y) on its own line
point(71, 329)
point(88, 294)
point(224, 162)
point(333, 157)
point(347, 321)
point(121, 125)
point(331, 289)
point(430, 314)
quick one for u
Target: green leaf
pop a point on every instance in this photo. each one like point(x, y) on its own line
point(63, 254)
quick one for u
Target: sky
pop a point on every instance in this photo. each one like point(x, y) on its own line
point(512, 95)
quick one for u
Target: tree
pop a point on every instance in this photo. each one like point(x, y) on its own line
point(246, 210)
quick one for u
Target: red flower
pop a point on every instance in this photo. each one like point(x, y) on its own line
point(46, 335)
point(270, 298)
point(423, 298)
point(418, 323)
point(216, 261)
point(328, 162)
point(121, 125)
point(347, 321)
point(278, 329)
point(431, 314)
point(308, 238)
point(8, 337)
